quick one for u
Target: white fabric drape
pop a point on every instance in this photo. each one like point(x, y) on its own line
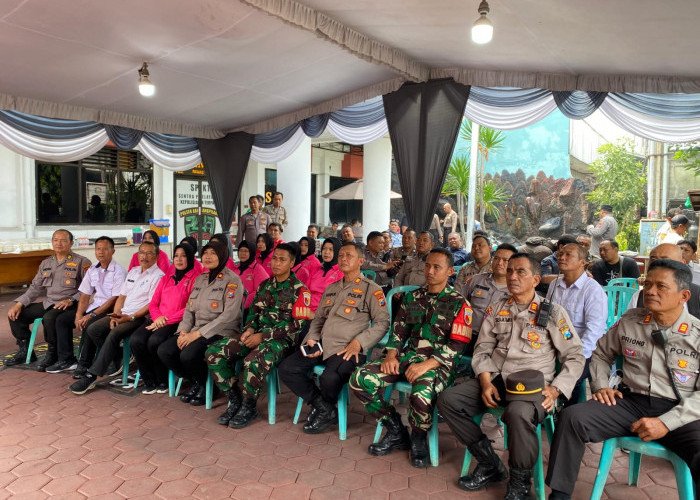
point(358, 136)
point(509, 118)
point(171, 161)
point(651, 127)
point(279, 153)
point(59, 151)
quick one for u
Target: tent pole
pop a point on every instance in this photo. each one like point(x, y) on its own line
point(471, 199)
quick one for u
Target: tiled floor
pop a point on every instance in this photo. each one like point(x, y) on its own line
point(110, 445)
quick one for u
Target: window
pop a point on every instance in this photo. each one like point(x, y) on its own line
point(111, 186)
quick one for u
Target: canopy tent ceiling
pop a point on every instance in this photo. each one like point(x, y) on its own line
point(223, 65)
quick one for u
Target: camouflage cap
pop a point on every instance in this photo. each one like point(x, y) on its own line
point(525, 385)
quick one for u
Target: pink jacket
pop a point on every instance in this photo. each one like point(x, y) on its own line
point(231, 265)
point(318, 283)
point(265, 263)
point(251, 278)
point(306, 269)
point(163, 262)
point(169, 299)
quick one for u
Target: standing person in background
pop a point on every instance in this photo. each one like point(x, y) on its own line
point(606, 229)
point(666, 226)
point(449, 225)
point(163, 259)
point(357, 229)
point(253, 223)
point(276, 211)
point(436, 229)
point(395, 232)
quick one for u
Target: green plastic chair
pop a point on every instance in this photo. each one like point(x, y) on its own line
point(618, 299)
point(628, 282)
point(369, 274)
point(538, 468)
point(32, 339)
point(637, 448)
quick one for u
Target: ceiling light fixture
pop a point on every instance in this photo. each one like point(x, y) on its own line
point(146, 88)
point(482, 31)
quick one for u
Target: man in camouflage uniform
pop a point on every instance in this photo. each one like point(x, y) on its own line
point(431, 328)
point(512, 339)
point(59, 277)
point(278, 315)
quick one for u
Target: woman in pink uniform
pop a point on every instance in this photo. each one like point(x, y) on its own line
point(163, 262)
point(263, 254)
point(307, 264)
point(327, 273)
point(250, 270)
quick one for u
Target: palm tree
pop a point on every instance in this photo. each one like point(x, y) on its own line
point(457, 184)
point(490, 140)
point(492, 194)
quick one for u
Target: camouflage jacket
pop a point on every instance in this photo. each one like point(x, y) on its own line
point(433, 325)
point(280, 310)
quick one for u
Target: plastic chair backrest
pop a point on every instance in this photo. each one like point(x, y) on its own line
point(628, 282)
point(369, 274)
point(618, 300)
point(457, 268)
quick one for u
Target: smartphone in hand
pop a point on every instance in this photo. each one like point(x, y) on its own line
point(308, 350)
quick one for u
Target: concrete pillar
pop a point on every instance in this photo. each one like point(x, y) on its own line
point(294, 180)
point(377, 185)
point(323, 211)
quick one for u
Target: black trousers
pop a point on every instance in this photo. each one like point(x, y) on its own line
point(85, 342)
point(65, 323)
point(461, 402)
point(99, 334)
point(189, 362)
point(21, 327)
point(593, 422)
point(144, 346)
point(294, 372)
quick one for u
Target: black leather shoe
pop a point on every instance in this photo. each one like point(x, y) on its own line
point(420, 457)
point(21, 355)
point(519, 484)
point(200, 398)
point(187, 397)
point(312, 414)
point(326, 415)
point(246, 414)
point(489, 468)
point(234, 404)
point(48, 360)
point(396, 437)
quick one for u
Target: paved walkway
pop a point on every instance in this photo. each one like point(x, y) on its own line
point(110, 445)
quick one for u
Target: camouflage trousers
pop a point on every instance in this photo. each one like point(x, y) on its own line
point(223, 356)
point(368, 383)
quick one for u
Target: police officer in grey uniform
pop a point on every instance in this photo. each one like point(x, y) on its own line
point(59, 276)
point(606, 229)
point(481, 253)
point(659, 398)
point(276, 211)
point(373, 259)
point(485, 289)
point(412, 271)
point(511, 340)
point(342, 326)
point(252, 223)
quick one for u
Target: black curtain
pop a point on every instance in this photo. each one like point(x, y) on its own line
point(225, 163)
point(424, 120)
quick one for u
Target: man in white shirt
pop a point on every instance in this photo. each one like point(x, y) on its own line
point(129, 313)
point(679, 226)
point(98, 292)
point(689, 255)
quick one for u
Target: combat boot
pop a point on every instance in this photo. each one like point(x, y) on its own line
point(489, 468)
point(396, 437)
point(246, 414)
point(519, 484)
point(419, 449)
point(234, 404)
point(21, 355)
point(326, 415)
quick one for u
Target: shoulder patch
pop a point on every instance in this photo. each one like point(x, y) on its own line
point(647, 318)
point(462, 325)
point(301, 309)
point(379, 295)
point(489, 309)
point(533, 307)
point(231, 290)
point(683, 328)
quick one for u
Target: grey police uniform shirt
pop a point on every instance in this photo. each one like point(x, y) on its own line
point(412, 271)
point(214, 308)
point(59, 280)
point(510, 341)
point(606, 229)
point(375, 263)
point(345, 312)
point(278, 215)
point(468, 270)
point(645, 366)
point(251, 225)
point(481, 291)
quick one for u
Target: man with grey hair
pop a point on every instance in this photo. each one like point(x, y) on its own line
point(454, 245)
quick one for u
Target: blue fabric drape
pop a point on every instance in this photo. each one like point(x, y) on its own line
point(274, 138)
point(172, 143)
point(123, 137)
point(672, 106)
point(361, 114)
point(48, 128)
point(315, 125)
point(578, 104)
point(506, 97)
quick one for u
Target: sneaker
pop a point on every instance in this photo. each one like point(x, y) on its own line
point(62, 366)
point(162, 389)
point(83, 385)
point(149, 389)
point(79, 372)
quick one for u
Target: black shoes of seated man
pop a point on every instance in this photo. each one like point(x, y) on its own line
point(21, 355)
point(48, 360)
point(235, 400)
point(322, 415)
point(395, 438)
point(245, 415)
point(489, 468)
point(187, 397)
point(420, 457)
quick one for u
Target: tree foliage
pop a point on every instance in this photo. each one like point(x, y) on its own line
point(689, 154)
point(457, 184)
point(621, 182)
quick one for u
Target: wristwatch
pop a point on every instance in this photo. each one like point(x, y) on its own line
point(92, 314)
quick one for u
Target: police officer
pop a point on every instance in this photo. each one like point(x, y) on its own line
point(276, 211)
point(412, 271)
point(606, 229)
point(431, 328)
point(481, 253)
point(279, 313)
point(342, 327)
point(485, 289)
point(659, 398)
point(510, 339)
point(373, 259)
point(252, 223)
point(212, 312)
point(59, 276)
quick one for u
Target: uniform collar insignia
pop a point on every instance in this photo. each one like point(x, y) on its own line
point(683, 328)
point(647, 318)
point(533, 307)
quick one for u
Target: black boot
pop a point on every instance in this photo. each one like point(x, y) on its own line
point(187, 397)
point(489, 468)
point(246, 414)
point(325, 415)
point(234, 404)
point(419, 449)
point(49, 359)
point(396, 437)
point(200, 398)
point(21, 355)
point(519, 484)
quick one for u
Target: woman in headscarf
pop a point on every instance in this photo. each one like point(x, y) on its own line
point(250, 270)
point(212, 312)
point(221, 238)
point(189, 240)
point(163, 261)
point(264, 248)
point(166, 310)
point(308, 263)
point(327, 272)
